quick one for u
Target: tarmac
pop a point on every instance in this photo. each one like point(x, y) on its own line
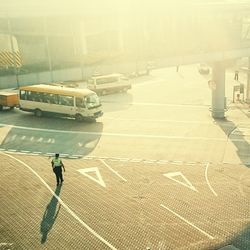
point(111, 203)
point(108, 204)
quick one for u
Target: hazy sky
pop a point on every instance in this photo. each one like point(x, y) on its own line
point(47, 7)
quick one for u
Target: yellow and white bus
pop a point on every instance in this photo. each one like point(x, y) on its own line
point(106, 84)
point(60, 101)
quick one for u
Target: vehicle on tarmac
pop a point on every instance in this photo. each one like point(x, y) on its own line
point(106, 84)
point(82, 104)
point(9, 100)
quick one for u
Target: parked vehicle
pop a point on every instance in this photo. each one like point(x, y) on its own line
point(82, 104)
point(106, 84)
point(9, 100)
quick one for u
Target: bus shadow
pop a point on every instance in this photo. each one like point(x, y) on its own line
point(22, 118)
point(48, 135)
point(50, 215)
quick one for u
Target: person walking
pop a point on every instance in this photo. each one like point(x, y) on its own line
point(57, 166)
point(236, 75)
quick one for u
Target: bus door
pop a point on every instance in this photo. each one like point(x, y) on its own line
point(80, 105)
point(66, 105)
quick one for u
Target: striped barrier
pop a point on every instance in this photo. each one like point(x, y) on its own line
point(8, 58)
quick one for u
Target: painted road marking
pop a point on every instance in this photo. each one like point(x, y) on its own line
point(13, 137)
point(243, 131)
point(126, 135)
point(208, 235)
point(4, 132)
point(92, 157)
point(187, 182)
point(208, 183)
point(95, 170)
point(224, 124)
point(112, 170)
point(136, 160)
point(51, 140)
point(161, 104)
point(91, 144)
point(64, 205)
point(12, 150)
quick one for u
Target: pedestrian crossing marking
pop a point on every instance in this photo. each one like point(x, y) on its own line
point(186, 182)
point(86, 171)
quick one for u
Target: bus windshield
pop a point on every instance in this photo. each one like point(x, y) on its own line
point(92, 101)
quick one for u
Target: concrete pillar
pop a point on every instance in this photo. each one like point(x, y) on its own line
point(218, 94)
point(83, 48)
point(47, 47)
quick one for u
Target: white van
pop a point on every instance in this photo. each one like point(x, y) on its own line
point(106, 84)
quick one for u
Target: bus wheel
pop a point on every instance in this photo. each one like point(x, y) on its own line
point(79, 117)
point(38, 112)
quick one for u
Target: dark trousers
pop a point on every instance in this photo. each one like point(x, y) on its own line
point(58, 173)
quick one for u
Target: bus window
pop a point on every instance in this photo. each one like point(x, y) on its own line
point(45, 97)
point(80, 102)
point(92, 101)
point(23, 95)
point(53, 98)
point(29, 95)
point(66, 100)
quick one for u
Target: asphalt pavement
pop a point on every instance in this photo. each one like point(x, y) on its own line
point(133, 180)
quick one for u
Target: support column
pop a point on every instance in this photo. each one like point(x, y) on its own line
point(218, 94)
point(46, 37)
point(83, 48)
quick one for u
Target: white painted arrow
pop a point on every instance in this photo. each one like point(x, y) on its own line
point(40, 139)
point(186, 182)
point(95, 170)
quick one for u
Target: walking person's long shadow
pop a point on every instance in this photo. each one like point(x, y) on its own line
point(50, 215)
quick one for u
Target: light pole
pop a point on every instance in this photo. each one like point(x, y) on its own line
point(13, 52)
point(46, 37)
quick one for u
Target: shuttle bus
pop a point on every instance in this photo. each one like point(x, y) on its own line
point(82, 104)
point(106, 84)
